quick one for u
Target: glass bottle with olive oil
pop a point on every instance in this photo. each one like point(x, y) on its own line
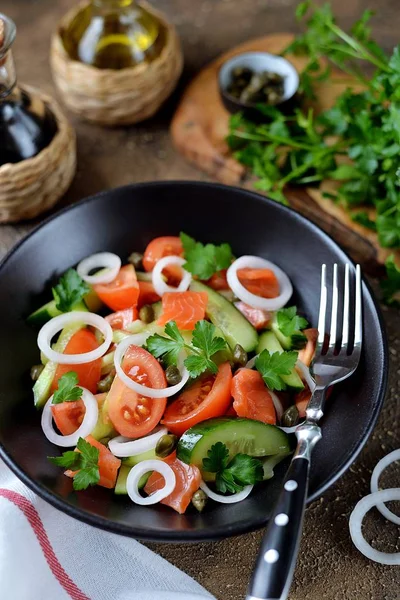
point(114, 34)
point(27, 125)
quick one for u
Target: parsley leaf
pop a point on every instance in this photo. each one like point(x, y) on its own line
point(289, 321)
point(85, 461)
point(69, 291)
point(205, 260)
point(233, 475)
point(203, 347)
point(273, 366)
point(391, 285)
point(67, 389)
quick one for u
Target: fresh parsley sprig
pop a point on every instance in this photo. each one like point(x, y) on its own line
point(289, 321)
point(391, 285)
point(232, 475)
point(85, 461)
point(273, 366)
point(70, 290)
point(204, 345)
point(203, 260)
point(67, 389)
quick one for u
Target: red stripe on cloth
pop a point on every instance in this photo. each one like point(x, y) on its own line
point(35, 522)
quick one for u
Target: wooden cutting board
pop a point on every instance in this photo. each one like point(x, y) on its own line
point(199, 129)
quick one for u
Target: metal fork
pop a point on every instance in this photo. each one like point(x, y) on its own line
point(274, 568)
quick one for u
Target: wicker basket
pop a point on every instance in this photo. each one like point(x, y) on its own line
point(116, 97)
point(34, 185)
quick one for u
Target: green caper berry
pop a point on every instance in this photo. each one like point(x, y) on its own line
point(146, 313)
point(104, 385)
point(173, 375)
point(165, 445)
point(36, 371)
point(136, 259)
point(290, 417)
point(240, 355)
point(199, 500)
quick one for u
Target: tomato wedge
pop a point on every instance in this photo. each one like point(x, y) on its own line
point(188, 478)
point(186, 308)
point(131, 414)
point(261, 282)
point(207, 397)
point(122, 318)
point(258, 317)
point(307, 353)
point(68, 416)
point(89, 373)
point(147, 293)
point(121, 293)
point(251, 398)
point(218, 281)
point(108, 465)
point(164, 246)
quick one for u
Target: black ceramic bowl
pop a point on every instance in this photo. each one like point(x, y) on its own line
point(123, 220)
point(258, 62)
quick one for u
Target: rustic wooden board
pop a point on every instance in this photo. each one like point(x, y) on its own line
point(199, 129)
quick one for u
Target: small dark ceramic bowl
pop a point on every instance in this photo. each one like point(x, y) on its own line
point(258, 62)
point(126, 219)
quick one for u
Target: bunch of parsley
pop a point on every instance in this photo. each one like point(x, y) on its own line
point(297, 148)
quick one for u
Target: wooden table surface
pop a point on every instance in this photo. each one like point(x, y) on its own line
point(329, 566)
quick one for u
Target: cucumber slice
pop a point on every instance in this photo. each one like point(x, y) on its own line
point(269, 341)
point(239, 435)
point(41, 389)
point(103, 427)
point(48, 311)
point(143, 276)
point(270, 463)
point(131, 461)
point(296, 341)
point(120, 486)
point(107, 363)
point(235, 328)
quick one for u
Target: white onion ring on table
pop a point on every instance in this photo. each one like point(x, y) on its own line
point(376, 473)
point(85, 428)
point(55, 325)
point(143, 390)
point(101, 260)
point(122, 446)
point(355, 525)
point(226, 499)
point(141, 469)
point(159, 284)
point(256, 262)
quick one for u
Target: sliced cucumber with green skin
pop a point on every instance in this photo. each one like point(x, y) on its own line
point(296, 341)
point(269, 341)
point(41, 389)
point(103, 428)
point(120, 486)
point(131, 461)
point(235, 328)
point(48, 311)
point(239, 435)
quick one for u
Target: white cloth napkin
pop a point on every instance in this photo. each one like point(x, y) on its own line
point(46, 555)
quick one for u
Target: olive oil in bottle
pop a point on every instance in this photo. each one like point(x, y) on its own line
point(114, 34)
point(27, 125)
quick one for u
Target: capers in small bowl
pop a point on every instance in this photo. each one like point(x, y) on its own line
point(173, 375)
point(166, 444)
point(199, 500)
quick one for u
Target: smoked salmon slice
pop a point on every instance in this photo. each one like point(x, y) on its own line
point(251, 398)
point(258, 317)
point(185, 308)
point(260, 282)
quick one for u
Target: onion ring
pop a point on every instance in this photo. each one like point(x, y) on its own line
point(355, 523)
point(143, 390)
point(101, 260)
point(57, 323)
point(376, 473)
point(305, 371)
point(121, 446)
point(277, 404)
point(85, 428)
point(139, 470)
point(243, 294)
point(159, 284)
point(226, 499)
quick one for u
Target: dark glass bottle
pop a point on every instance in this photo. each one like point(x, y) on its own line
point(27, 125)
point(114, 34)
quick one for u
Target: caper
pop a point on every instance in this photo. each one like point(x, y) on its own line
point(165, 445)
point(290, 417)
point(146, 313)
point(136, 259)
point(239, 355)
point(199, 500)
point(35, 372)
point(104, 384)
point(173, 375)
